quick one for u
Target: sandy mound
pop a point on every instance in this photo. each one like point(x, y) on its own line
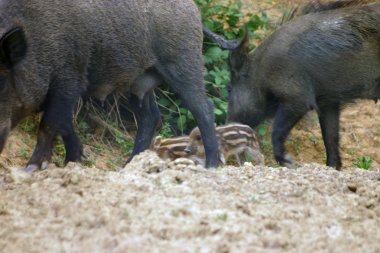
point(154, 205)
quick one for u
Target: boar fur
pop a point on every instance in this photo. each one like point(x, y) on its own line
point(52, 52)
point(318, 61)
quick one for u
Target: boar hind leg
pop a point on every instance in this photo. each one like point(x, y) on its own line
point(255, 155)
point(285, 119)
point(57, 120)
point(148, 118)
point(186, 79)
point(329, 122)
point(241, 158)
point(43, 151)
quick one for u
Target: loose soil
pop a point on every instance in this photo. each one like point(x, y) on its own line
point(158, 206)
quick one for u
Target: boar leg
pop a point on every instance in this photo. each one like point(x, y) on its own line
point(256, 155)
point(43, 151)
point(186, 80)
point(241, 158)
point(148, 118)
point(73, 146)
point(329, 122)
point(284, 121)
point(57, 120)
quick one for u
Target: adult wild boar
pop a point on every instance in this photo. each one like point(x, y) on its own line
point(318, 61)
point(52, 52)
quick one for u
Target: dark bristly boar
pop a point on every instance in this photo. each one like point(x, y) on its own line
point(318, 61)
point(52, 52)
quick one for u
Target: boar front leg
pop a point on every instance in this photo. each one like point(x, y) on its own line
point(148, 119)
point(186, 79)
point(56, 120)
point(285, 119)
point(329, 122)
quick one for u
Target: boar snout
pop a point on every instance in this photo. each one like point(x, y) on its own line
point(189, 149)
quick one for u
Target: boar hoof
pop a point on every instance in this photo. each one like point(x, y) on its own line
point(289, 162)
point(33, 167)
point(44, 165)
point(85, 155)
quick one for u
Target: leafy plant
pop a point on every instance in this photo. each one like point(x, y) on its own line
point(30, 124)
point(125, 145)
point(314, 139)
point(23, 153)
point(363, 162)
point(60, 153)
point(166, 131)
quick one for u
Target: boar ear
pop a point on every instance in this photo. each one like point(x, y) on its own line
point(12, 47)
point(239, 56)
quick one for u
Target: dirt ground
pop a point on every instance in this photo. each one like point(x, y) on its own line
point(158, 206)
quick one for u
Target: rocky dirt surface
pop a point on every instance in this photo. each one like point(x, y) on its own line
point(158, 206)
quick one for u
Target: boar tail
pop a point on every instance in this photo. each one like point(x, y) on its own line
point(224, 43)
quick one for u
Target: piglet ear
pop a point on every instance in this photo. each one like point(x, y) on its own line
point(13, 47)
point(156, 142)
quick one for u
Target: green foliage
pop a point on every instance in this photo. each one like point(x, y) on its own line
point(262, 129)
point(314, 139)
point(23, 153)
point(89, 161)
point(60, 153)
point(125, 145)
point(266, 148)
point(228, 20)
point(30, 124)
point(363, 162)
point(263, 134)
point(166, 131)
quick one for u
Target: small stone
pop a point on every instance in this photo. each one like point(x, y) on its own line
point(353, 188)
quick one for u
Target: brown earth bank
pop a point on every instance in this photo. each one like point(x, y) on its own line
point(158, 206)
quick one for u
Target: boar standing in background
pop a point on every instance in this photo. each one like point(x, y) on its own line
point(53, 52)
point(319, 61)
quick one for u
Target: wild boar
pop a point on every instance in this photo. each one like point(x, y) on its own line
point(234, 139)
point(53, 52)
point(174, 148)
point(318, 61)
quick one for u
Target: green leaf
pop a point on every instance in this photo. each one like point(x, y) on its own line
point(164, 102)
point(262, 132)
point(181, 122)
point(218, 111)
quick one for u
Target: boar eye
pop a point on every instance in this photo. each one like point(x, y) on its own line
point(199, 138)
